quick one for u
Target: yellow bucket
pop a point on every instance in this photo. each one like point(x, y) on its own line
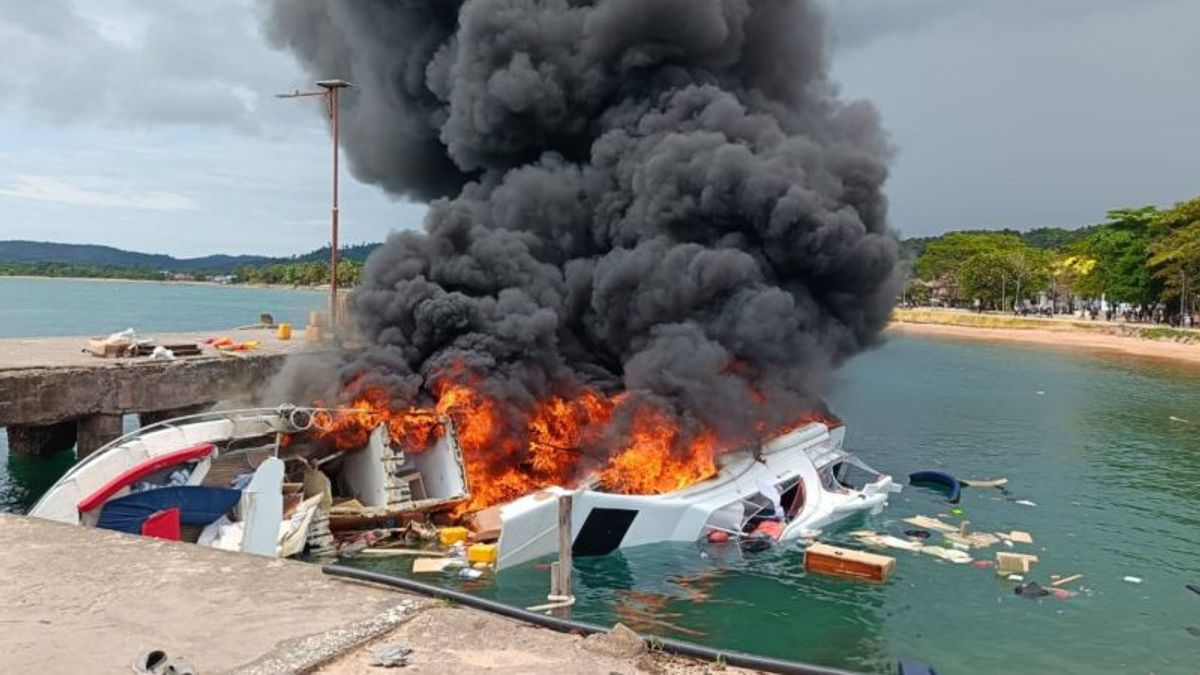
point(285, 331)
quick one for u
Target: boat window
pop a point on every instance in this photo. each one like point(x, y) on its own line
point(793, 496)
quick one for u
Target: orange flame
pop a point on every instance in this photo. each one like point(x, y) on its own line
point(510, 453)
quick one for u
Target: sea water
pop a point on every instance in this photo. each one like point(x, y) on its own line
point(1088, 439)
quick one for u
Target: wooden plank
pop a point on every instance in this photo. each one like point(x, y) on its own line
point(431, 565)
point(844, 562)
point(388, 552)
point(1066, 580)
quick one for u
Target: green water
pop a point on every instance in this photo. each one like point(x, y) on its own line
point(31, 308)
point(49, 307)
point(1116, 485)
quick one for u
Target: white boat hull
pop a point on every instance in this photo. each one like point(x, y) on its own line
point(602, 522)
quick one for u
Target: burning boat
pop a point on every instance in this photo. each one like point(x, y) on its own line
point(270, 482)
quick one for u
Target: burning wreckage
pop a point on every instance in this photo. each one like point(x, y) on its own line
point(682, 211)
point(312, 481)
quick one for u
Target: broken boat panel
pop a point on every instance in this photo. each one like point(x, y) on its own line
point(287, 484)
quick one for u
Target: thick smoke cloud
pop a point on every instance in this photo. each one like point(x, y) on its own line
point(660, 196)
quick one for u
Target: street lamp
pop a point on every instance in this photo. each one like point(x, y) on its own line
point(330, 94)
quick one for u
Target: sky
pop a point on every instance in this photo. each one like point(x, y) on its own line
point(153, 126)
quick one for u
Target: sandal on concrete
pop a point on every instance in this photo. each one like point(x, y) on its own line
point(153, 661)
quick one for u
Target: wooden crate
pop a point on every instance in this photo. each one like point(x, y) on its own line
point(844, 562)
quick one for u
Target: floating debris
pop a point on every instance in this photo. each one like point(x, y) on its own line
point(1014, 563)
point(1132, 580)
point(1017, 536)
point(930, 524)
point(997, 483)
point(952, 555)
point(1066, 580)
point(1031, 590)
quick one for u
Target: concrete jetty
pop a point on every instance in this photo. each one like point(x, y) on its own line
point(81, 600)
point(53, 395)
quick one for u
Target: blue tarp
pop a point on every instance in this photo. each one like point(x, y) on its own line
point(197, 506)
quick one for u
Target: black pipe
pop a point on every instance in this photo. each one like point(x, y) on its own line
point(737, 659)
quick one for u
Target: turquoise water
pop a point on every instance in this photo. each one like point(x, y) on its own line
point(32, 308)
point(1116, 485)
point(49, 307)
point(1089, 440)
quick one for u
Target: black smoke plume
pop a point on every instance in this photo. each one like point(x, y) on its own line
point(665, 197)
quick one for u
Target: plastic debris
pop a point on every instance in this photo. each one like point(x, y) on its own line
point(1017, 536)
point(930, 524)
point(997, 483)
point(1133, 580)
point(983, 564)
point(1025, 502)
point(1031, 590)
point(391, 656)
point(888, 541)
point(1179, 420)
point(470, 573)
point(918, 534)
point(718, 537)
point(952, 555)
point(161, 353)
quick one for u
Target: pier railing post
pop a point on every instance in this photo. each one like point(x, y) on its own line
point(560, 571)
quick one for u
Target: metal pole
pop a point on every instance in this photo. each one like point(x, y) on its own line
point(333, 249)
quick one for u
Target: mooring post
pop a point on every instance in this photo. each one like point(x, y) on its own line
point(96, 431)
point(560, 571)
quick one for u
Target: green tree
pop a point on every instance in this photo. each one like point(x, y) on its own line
point(1120, 247)
point(1175, 255)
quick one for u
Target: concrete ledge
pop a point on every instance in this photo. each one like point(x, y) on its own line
point(88, 601)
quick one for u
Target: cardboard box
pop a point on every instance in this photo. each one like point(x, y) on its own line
point(485, 524)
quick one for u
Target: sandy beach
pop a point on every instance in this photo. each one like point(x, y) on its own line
point(1050, 333)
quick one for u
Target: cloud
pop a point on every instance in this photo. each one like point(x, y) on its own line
point(133, 64)
point(50, 189)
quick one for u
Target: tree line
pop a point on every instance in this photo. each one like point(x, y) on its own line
point(1143, 262)
point(300, 273)
point(79, 271)
point(286, 274)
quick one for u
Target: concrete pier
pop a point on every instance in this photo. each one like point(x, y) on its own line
point(53, 395)
point(81, 600)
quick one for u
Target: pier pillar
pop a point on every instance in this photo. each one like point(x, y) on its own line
point(94, 431)
point(40, 441)
point(156, 416)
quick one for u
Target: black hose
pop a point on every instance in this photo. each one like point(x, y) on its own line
point(737, 659)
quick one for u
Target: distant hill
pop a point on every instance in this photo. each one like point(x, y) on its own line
point(14, 251)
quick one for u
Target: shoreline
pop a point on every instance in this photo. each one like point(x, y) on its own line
point(113, 280)
point(1065, 337)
